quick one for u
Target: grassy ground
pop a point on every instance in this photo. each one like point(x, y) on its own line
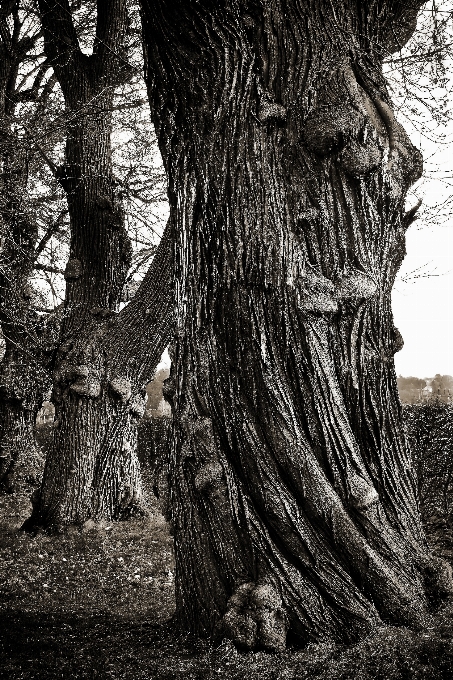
point(97, 603)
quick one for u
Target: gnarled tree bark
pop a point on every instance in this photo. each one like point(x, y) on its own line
point(292, 493)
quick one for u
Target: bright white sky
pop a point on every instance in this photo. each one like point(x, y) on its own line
point(423, 303)
point(423, 307)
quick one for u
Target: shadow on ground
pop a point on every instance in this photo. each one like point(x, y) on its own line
point(55, 645)
point(104, 646)
point(97, 603)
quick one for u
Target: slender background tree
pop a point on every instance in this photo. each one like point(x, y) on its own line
point(26, 92)
point(92, 471)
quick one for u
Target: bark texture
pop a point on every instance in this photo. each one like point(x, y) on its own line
point(292, 493)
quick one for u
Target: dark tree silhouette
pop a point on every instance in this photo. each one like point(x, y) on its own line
point(26, 334)
point(293, 498)
point(429, 426)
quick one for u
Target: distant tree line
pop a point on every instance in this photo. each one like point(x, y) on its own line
point(412, 389)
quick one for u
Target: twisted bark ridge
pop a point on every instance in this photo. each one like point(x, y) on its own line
point(292, 492)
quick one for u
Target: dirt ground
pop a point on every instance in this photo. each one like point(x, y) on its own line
point(98, 603)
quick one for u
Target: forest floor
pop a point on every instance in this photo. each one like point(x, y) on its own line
point(97, 604)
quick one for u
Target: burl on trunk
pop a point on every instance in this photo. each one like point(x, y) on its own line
point(292, 493)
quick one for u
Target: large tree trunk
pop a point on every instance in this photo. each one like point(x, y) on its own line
point(292, 491)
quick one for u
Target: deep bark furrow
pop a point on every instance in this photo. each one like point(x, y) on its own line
point(286, 202)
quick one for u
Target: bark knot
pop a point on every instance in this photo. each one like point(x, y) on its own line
point(345, 122)
point(398, 341)
point(80, 379)
point(88, 387)
point(73, 269)
point(362, 493)
point(121, 388)
point(269, 109)
point(69, 372)
point(359, 127)
point(316, 293)
point(255, 617)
